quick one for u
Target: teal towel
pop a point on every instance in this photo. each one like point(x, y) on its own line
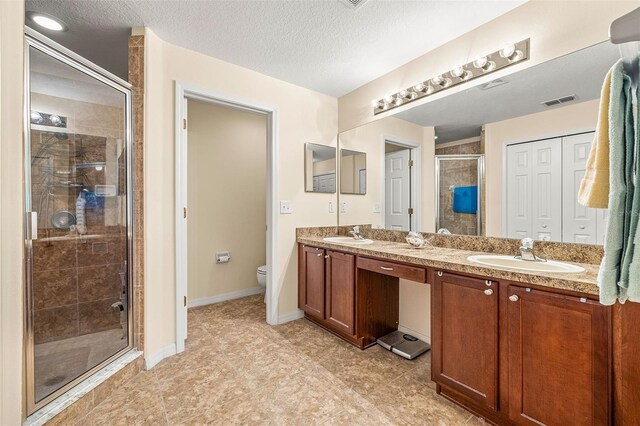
point(615, 269)
point(630, 281)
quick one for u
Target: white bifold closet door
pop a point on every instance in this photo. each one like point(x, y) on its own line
point(534, 190)
point(579, 223)
point(543, 178)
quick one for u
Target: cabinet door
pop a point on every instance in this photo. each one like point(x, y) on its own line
point(558, 359)
point(340, 306)
point(465, 336)
point(311, 282)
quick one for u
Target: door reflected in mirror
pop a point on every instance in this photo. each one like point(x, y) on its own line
point(353, 172)
point(320, 168)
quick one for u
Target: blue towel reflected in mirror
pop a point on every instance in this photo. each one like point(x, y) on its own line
point(465, 199)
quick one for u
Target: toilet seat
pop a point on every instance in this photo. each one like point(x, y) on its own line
point(262, 270)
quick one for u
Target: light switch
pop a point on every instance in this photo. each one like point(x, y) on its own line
point(332, 207)
point(376, 207)
point(286, 207)
point(343, 207)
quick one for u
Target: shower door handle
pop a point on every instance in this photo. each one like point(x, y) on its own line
point(31, 223)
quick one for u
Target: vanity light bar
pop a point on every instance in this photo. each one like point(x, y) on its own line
point(500, 59)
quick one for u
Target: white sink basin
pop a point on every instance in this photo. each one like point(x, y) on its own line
point(502, 261)
point(347, 240)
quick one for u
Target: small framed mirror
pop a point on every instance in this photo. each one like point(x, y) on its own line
point(353, 172)
point(319, 168)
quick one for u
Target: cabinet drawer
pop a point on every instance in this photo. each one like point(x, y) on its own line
point(411, 273)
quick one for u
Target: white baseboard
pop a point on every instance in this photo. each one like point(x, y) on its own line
point(291, 316)
point(151, 360)
point(224, 297)
point(414, 333)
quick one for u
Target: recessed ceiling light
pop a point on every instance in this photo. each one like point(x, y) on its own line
point(47, 21)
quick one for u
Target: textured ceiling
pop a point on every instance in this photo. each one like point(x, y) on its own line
point(461, 115)
point(319, 44)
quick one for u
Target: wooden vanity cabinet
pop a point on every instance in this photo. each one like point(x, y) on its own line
point(465, 336)
point(558, 359)
point(521, 355)
point(311, 282)
point(326, 288)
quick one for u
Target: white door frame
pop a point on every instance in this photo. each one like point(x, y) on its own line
point(187, 91)
point(416, 179)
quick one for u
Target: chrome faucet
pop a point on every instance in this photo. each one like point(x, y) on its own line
point(526, 250)
point(356, 233)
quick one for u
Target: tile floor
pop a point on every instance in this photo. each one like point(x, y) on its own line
point(239, 370)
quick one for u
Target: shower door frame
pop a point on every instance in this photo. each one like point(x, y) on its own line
point(480, 161)
point(33, 39)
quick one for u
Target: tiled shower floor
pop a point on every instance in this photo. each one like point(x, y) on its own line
point(239, 370)
point(59, 362)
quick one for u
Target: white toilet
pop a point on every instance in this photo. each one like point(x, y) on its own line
point(262, 278)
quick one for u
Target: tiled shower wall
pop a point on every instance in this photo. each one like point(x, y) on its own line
point(136, 78)
point(76, 280)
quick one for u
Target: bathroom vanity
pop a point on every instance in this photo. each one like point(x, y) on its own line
point(504, 343)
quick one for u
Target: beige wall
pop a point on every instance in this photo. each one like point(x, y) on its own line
point(370, 139)
point(555, 122)
point(555, 28)
point(11, 284)
point(227, 180)
point(303, 116)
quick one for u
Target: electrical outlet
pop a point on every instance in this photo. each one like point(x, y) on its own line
point(286, 207)
point(343, 207)
point(332, 207)
point(376, 207)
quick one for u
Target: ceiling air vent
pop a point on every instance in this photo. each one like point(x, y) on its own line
point(353, 4)
point(492, 84)
point(559, 101)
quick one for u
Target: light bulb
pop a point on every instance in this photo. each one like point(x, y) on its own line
point(457, 72)
point(48, 22)
point(461, 73)
point(36, 117)
point(388, 99)
point(376, 104)
point(398, 101)
point(418, 87)
point(55, 120)
point(404, 94)
point(511, 54)
point(441, 81)
point(480, 62)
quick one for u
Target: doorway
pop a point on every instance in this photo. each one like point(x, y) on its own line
point(184, 95)
point(400, 185)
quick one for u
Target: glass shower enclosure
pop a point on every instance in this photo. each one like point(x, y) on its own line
point(459, 198)
point(78, 216)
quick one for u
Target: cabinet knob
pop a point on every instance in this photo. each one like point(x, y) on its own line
point(326, 256)
point(582, 227)
point(384, 268)
point(488, 283)
point(439, 273)
point(514, 298)
point(488, 292)
point(544, 226)
point(319, 254)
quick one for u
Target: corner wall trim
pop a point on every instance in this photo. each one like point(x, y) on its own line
point(291, 316)
point(203, 301)
point(166, 352)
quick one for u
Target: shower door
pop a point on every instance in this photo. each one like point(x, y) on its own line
point(78, 216)
point(459, 180)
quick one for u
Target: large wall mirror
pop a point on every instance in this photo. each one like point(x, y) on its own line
point(510, 154)
point(319, 168)
point(353, 172)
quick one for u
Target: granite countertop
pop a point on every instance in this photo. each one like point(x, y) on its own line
point(456, 260)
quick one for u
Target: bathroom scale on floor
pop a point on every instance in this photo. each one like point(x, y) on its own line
point(403, 344)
